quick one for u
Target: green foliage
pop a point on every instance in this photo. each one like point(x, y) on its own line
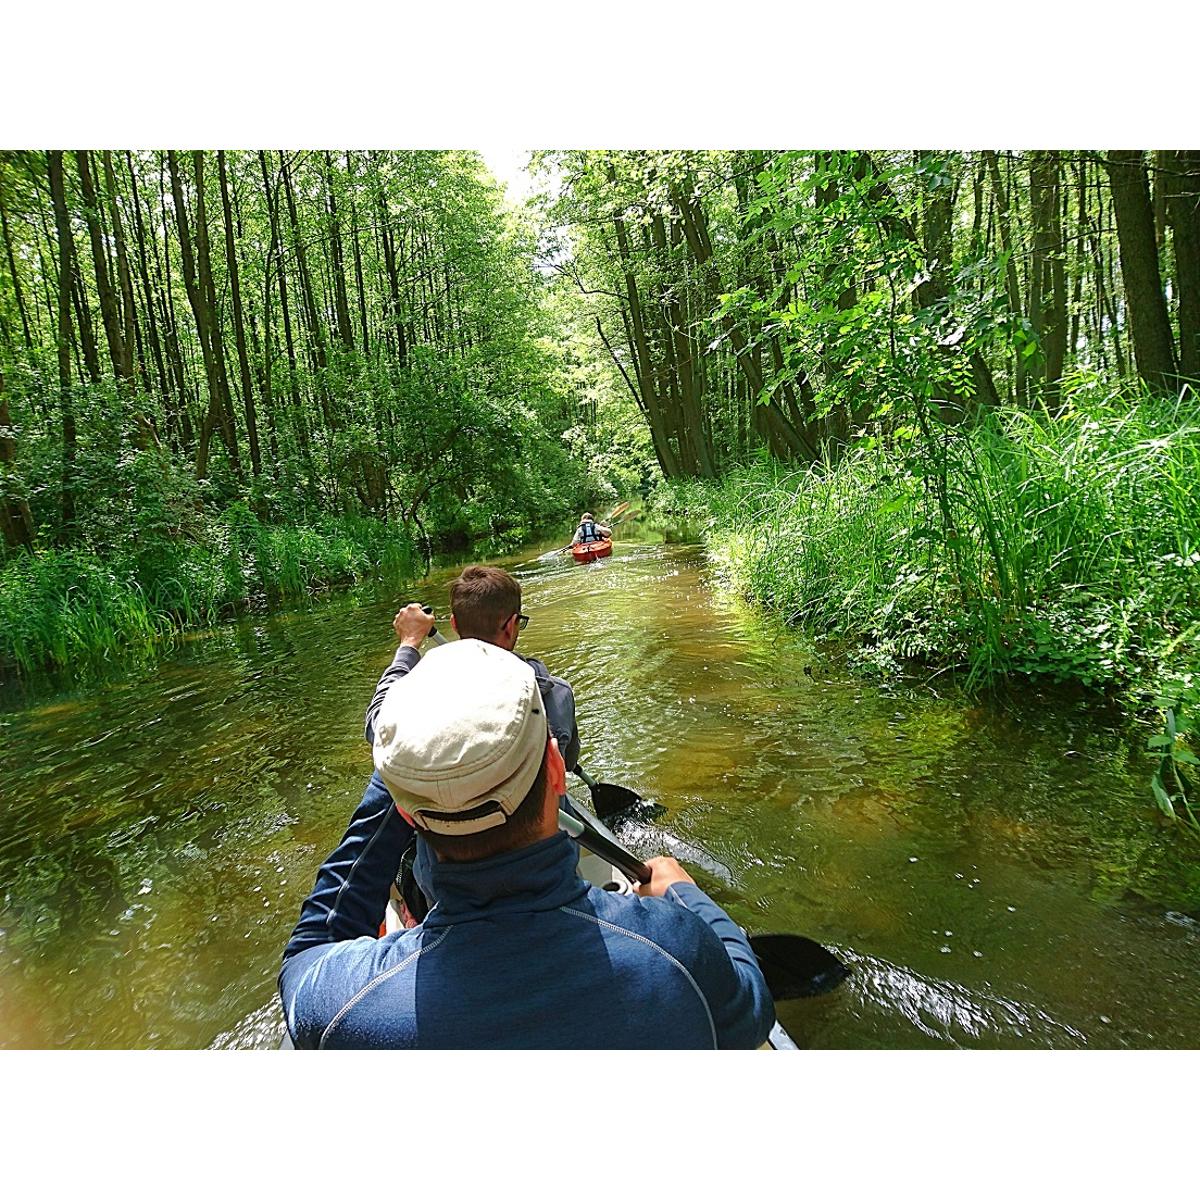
point(63, 607)
point(1170, 784)
point(412, 397)
point(1066, 548)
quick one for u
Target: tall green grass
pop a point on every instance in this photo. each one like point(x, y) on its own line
point(61, 607)
point(1066, 548)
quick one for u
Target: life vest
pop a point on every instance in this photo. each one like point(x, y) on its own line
point(587, 531)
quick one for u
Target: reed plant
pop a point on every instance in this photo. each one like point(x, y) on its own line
point(1064, 547)
point(63, 607)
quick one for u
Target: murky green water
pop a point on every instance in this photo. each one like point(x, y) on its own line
point(994, 873)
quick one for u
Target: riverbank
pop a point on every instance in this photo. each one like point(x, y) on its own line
point(1062, 548)
point(69, 607)
point(77, 608)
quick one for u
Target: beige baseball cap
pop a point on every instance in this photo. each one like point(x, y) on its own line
point(459, 740)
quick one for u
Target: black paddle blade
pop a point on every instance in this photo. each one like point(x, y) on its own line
point(796, 967)
point(608, 799)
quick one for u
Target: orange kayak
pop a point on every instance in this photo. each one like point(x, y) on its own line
point(587, 552)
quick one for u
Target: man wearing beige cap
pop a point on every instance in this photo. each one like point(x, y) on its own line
point(518, 952)
point(485, 603)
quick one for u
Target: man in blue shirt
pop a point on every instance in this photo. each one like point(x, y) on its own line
point(518, 952)
point(485, 603)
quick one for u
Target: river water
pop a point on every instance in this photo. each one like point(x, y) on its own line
point(993, 872)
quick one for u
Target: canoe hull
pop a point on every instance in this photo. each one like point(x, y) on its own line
point(588, 552)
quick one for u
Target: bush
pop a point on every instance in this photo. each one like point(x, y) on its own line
point(62, 606)
point(1065, 547)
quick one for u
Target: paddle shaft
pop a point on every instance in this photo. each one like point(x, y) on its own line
point(613, 853)
point(592, 784)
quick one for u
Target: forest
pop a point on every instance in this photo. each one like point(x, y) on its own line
point(936, 406)
point(941, 404)
point(236, 375)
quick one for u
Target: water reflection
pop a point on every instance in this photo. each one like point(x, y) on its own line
point(992, 871)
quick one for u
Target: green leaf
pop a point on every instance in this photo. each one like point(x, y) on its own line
point(1164, 801)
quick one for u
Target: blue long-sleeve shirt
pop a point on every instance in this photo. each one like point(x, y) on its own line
point(519, 952)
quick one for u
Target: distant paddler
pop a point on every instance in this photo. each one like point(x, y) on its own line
point(590, 530)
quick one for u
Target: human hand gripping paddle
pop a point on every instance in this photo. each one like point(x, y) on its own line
point(794, 967)
point(400, 626)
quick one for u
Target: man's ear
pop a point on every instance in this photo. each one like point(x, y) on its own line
point(556, 770)
point(453, 623)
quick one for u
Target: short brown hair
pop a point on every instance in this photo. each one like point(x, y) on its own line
point(482, 599)
point(516, 832)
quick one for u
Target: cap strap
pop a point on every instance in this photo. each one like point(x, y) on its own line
point(483, 816)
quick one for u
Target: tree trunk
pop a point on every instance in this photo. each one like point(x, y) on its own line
point(394, 310)
point(16, 521)
point(1184, 214)
point(1077, 300)
point(129, 329)
point(109, 311)
point(337, 263)
point(1047, 277)
point(685, 372)
point(66, 270)
point(239, 323)
point(643, 360)
point(139, 232)
point(297, 412)
point(358, 269)
point(14, 274)
point(228, 425)
point(1153, 344)
point(166, 307)
point(197, 294)
point(1012, 283)
point(308, 307)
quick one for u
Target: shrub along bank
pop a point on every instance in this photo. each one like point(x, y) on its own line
point(62, 607)
point(1064, 548)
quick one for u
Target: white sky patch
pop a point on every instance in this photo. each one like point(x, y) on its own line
point(509, 168)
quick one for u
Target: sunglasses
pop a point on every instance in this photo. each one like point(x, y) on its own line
point(522, 619)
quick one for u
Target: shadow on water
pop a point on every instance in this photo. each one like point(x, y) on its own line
point(993, 872)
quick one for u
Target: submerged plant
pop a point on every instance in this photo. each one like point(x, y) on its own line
point(1173, 793)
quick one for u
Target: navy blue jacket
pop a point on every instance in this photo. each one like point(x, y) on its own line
point(520, 953)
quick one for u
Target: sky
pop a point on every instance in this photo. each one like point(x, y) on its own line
point(508, 166)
